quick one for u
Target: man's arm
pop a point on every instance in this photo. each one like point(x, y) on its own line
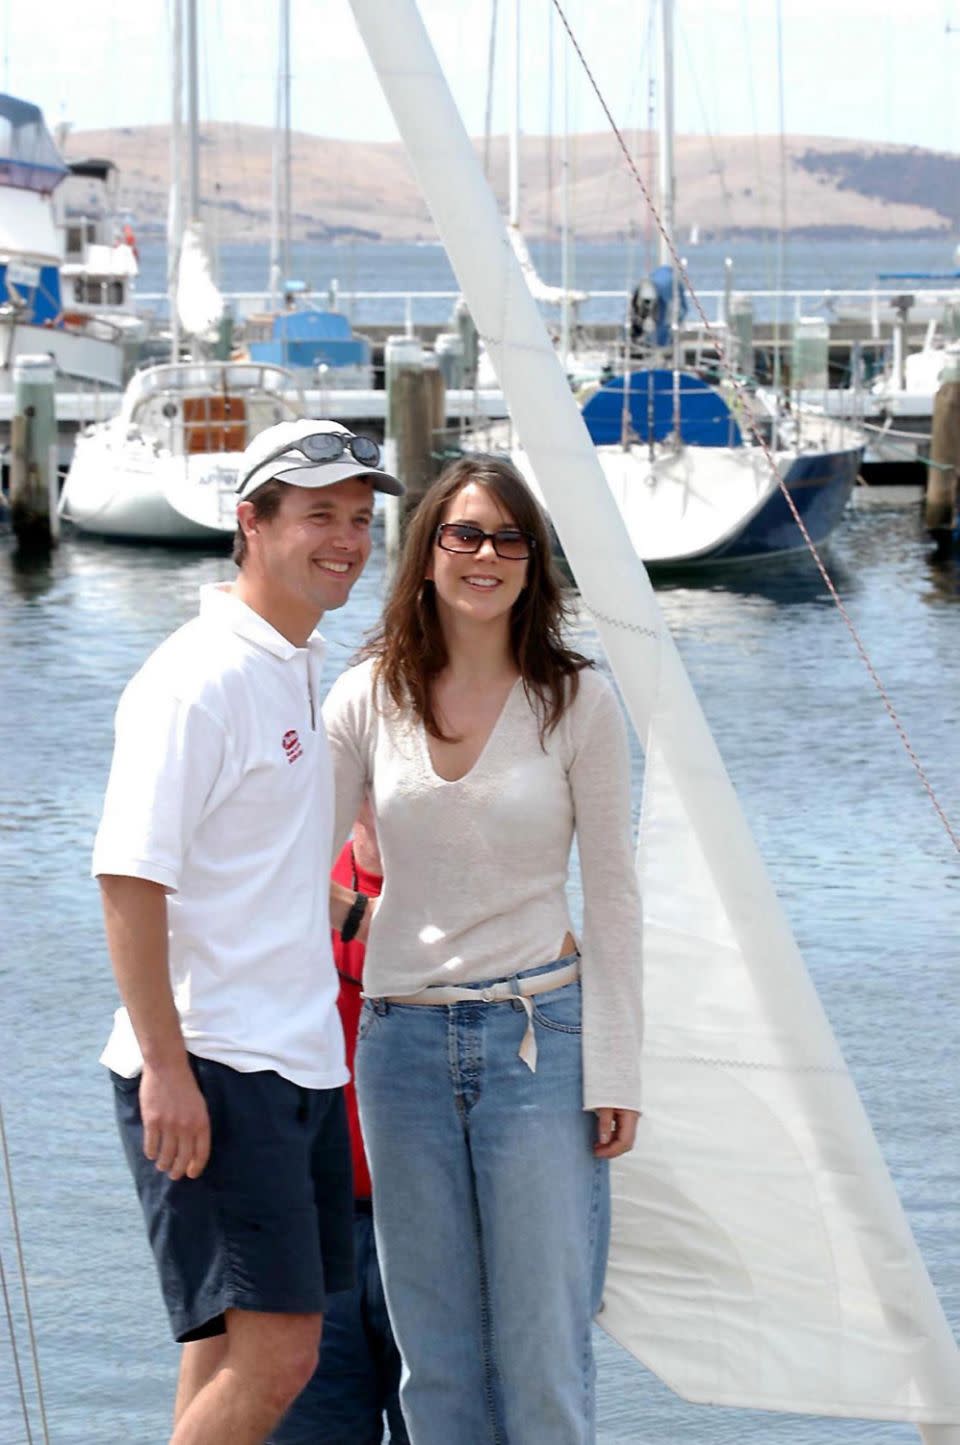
point(176, 1126)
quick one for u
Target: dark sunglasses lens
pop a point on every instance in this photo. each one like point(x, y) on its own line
point(512, 545)
point(456, 538)
point(322, 446)
point(366, 451)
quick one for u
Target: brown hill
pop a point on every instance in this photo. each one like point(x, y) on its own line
point(725, 185)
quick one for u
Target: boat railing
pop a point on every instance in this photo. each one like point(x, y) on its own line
point(409, 308)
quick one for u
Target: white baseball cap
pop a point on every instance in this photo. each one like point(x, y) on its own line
point(294, 452)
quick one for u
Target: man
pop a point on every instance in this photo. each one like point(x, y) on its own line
point(227, 1058)
point(357, 1381)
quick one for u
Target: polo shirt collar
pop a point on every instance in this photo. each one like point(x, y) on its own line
point(220, 604)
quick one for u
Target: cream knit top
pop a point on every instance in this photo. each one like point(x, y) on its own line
point(475, 870)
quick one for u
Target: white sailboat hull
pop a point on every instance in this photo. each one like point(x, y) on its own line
point(696, 505)
point(123, 488)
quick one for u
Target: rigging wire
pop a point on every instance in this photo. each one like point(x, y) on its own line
point(718, 166)
point(11, 1328)
point(715, 334)
point(31, 1333)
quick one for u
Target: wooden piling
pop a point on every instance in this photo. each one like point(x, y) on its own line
point(33, 456)
point(940, 509)
point(416, 413)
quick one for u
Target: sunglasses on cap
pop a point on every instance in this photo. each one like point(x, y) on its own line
point(323, 446)
point(508, 542)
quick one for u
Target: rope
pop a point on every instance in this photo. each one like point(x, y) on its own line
point(16, 1353)
point(759, 439)
point(31, 1333)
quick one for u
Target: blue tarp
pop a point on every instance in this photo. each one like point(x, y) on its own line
point(705, 417)
point(663, 280)
point(42, 300)
point(312, 338)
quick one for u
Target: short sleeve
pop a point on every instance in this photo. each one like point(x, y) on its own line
point(168, 756)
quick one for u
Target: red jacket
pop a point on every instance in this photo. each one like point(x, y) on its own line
point(349, 960)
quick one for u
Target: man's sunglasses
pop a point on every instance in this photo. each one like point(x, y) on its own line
point(509, 542)
point(324, 446)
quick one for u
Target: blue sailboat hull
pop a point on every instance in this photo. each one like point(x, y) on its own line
point(819, 485)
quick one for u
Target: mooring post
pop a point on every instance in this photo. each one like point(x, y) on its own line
point(33, 456)
point(416, 411)
point(940, 507)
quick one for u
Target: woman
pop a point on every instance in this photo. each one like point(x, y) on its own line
point(488, 1119)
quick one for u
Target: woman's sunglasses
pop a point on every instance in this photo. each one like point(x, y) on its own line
point(509, 542)
point(324, 446)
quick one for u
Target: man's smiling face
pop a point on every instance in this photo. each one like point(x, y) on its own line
point(310, 553)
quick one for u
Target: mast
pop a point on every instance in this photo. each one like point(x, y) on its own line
point(285, 118)
point(565, 204)
point(174, 214)
point(668, 197)
point(193, 118)
point(667, 182)
point(838, 1316)
point(513, 209)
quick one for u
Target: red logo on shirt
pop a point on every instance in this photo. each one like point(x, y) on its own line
point(291, 746)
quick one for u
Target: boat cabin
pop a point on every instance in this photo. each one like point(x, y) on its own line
point(208, 407)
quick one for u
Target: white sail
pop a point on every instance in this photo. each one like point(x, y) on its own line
point(199, 302)
point(760, 1255)
point(540, 290)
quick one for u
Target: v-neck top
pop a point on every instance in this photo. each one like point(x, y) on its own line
point(475, 869)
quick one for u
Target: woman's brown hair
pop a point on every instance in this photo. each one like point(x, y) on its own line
point(409, 646)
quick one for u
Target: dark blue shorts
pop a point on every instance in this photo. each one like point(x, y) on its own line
point(269, 1223)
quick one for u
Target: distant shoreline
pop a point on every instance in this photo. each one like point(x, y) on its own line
point(727, 186)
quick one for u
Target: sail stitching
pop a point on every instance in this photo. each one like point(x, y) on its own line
point(725, 1063)
point(619, 622)
point(716, 337)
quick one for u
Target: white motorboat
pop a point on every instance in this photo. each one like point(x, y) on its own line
point(166, 468)
point(33, 318)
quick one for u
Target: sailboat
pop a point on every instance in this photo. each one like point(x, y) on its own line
point(166, 468)
point(760, 1255)
point(689, 475)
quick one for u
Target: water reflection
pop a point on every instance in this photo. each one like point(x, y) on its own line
point(793, 578)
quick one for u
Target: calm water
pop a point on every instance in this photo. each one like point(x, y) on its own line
point(862, 864)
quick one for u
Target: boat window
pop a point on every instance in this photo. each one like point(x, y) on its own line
point(74, 240)
point(116, 293)
point(214, 423)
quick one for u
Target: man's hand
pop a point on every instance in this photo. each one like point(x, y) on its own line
point(176, 1125)
point(616, 1132)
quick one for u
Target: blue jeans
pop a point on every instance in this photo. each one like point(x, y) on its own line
point(357, 1380)
point(492, 1216)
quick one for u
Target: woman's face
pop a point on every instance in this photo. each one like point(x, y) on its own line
point(478, 587)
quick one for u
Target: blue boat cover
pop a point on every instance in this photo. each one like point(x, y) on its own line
point(29, 159)
point(311, 326)
point(312, 338)
point(705, 418)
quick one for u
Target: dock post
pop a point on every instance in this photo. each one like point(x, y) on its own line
point(33, 456)
point(416, 411)
point(940, 504)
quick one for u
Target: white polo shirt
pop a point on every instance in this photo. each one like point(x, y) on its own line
point(221, 790)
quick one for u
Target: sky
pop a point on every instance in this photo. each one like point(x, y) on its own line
point(863, 69)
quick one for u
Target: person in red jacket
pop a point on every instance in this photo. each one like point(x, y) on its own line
point(357, 1380)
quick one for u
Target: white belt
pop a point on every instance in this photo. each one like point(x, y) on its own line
point(512, 988)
